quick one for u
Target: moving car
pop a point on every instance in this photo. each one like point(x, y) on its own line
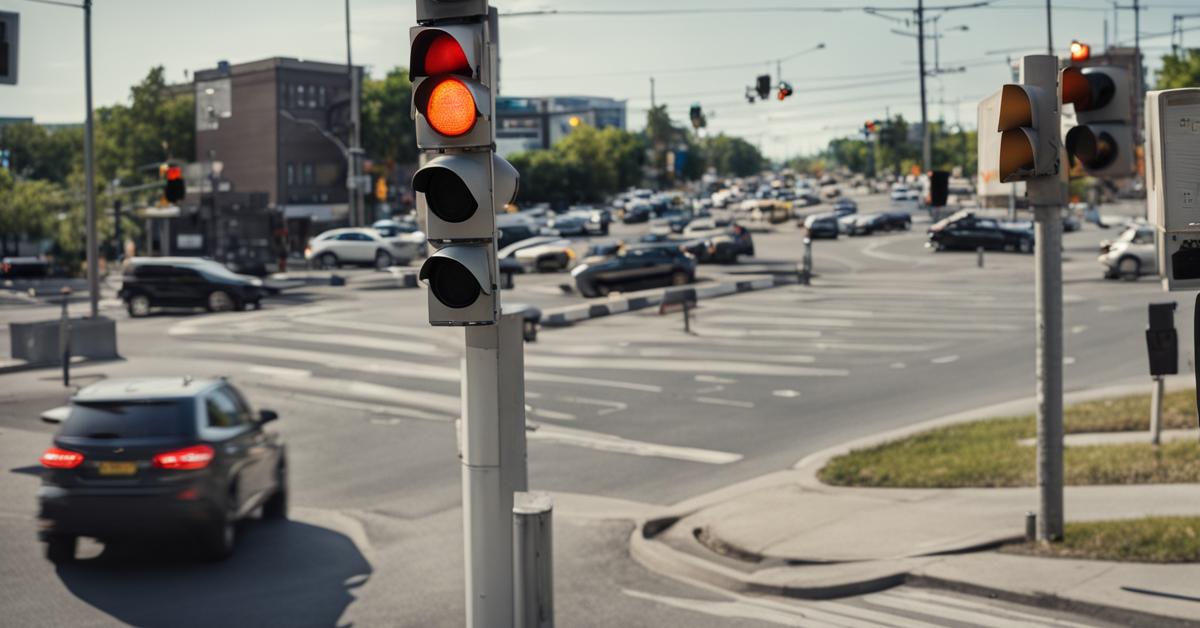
point(406, 237)
point(967, 231)
point(150, 282)
point(636, 267)
point(821, 226)
point(24, 268)
point(637, 212)
point(1134, 253)
point(368, 247)
point(176, 457)
point(724, 240)
point(542, 254)
point(844, 207)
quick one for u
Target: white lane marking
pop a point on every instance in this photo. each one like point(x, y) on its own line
point(1068, 360)
point(532, 395)
point(1107, 308)
point(196, 325)
point(726, 609)
point(870, 251)
point(870, 348)
point(846, 324)
point(608, 407)
point(931, 609)
point(1079, 329)
point(549, 414)
point(898, 365)
point(725, 332)
point(887, 312)
point(709, 389)
point(681, 366)
point(968, 604)
point(375, 328)
point(374, 408)
point(786, 394)
point(617, 444)
point(364, 391)
point(713, 379)
point(356, 342)
point(946, 359)
point(555, 378)
point(725, 402)
point(280, 371)
point(664, 352)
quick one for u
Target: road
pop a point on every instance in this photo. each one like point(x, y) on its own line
point(632, 413)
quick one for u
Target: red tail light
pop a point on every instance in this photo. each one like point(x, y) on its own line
point(186, 459)
point(55, 458)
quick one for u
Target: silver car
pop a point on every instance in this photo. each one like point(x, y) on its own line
point(336, 247)
point(1134, 253)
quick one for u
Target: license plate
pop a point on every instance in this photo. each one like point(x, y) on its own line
point(118, 468)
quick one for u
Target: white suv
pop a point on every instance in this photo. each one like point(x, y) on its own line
point(1134, 253)
point(356, 246)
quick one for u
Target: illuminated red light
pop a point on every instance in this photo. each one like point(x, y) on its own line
point(1080, 51)
point(55, 458)
point(445, 56)
point(451, 108)
point(174, 173)
point(186, 459)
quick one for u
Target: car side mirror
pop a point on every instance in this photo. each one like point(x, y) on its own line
point(266, 416)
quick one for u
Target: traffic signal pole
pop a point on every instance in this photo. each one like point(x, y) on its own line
point(926, 151)
point(89, 168)
point(1048, 282)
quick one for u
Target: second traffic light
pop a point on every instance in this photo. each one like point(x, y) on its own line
point(1102, 140)
point(174, 187)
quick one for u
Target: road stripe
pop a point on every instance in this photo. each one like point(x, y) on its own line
point(786, 394)
point(355, 342)
point(876, 324)
point(946, 359)
point(901, 603)
point(681, 366)
point(374, 408)
point(279, 371)
point(668, 352)
point(362, 391)
point(981, 606)
point(713, 379)
point(617, 444)
point(609, 407)
point(725, 402)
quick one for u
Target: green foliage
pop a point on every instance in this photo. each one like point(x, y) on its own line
point(949, 148)
point(42, 153)
point(732, 156)
point(1180, 72)
point(388, 133)
point(132, 139)
point(26, 208)
point(988, 454)
point(1145, 540)
point(585, 167)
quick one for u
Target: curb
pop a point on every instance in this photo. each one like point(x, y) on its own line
point(569, 315)
point(7, 368)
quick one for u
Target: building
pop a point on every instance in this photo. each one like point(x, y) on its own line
point(277, 126)
point(532, 123)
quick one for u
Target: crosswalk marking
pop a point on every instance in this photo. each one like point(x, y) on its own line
point(925, 607)
point(618, 444)
point(682, 366)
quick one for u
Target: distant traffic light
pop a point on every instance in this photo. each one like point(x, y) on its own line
point(785, 90)
point(9, 29)
point(1080, 51)
point(381, 189)
point(1102, 140)
point(696, 114)
point(174, 187)
point(464, 184)
point(939, 188)
point(762, 86)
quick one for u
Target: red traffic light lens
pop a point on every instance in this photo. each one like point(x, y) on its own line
point(1080, 51)
point(446, 56)
point(451, 108)
point(174, 173)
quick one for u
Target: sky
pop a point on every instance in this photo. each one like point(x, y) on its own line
point(708, 56)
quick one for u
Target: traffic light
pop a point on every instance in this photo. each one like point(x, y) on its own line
point(696, 114)
point(762, 86)
point(1080, 51)
point(939, 188)
point(1029, 128)
point(464, 183)
point(9, 23)
point(381, 189)
point(1102, 140)
point(174, 187)
point(785, 90)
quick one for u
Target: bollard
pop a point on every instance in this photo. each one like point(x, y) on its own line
point(64, 337)
point(533, 564)
point(1030, 526)
point(806, 272)
point(1156, 405)
point(687, 317)
point(979, 256)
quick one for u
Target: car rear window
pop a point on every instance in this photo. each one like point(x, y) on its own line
point(125, 419)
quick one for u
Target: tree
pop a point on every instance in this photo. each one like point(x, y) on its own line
point(38, 152)
point(1180, 72)
point(732, 156)
point(26, 209)
point(584, 167)
point(158, 124)
point(387, 129)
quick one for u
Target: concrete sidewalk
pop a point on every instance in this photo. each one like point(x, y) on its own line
point(789, 534)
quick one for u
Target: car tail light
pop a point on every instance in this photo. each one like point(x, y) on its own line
point(186, 459)
point(55, 458)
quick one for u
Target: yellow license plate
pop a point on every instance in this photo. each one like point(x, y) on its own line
point(118, 468)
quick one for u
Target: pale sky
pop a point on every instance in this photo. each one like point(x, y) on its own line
point(864, 71)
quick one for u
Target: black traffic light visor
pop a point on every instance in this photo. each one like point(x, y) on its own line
point(457, 275)
point(446, 193)
point(1095, 150)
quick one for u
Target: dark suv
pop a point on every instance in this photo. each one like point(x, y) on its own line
point(151, 282)
point(158, 456)
point(643, 266)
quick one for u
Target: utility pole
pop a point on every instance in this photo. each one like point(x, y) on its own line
point(926, 155)
point(354, 205)
point(652, 102)
point(1049, 30)
point(93, 247)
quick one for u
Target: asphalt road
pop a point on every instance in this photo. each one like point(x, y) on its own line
point(632, 413)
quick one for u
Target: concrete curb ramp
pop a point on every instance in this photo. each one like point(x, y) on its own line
point(566, 316)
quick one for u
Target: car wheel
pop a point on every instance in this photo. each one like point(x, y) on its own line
point(1129, 268)
point(327, 261)
point(383, 260)
point(258, 304)
point(138, 305)
point(680, 278)
point(220, 301)
point(1025, 245)
point(276, 507)
point(602, 290)
point(61, 548)
point(219, 538)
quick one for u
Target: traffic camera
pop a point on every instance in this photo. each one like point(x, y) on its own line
point(1102, 140)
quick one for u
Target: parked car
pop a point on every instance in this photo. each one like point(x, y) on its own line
point(513, 228)
point(24, 268)
point(406, 237)
point(367, 247)
point(902, 192)
point(539, 254)
point(636, 267)
point(637, 212)
point(968, 231)
point(844, 207)
point(673, 221)
point(175, 457)
point(821, 226)
point(897, 221)
point(150, 282)
point(1134, 253)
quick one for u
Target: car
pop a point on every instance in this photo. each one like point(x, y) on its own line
point(636, 267)
point(353, 245)
point(965, 230)
point(672, 220)
point(150, 282)
point(570, 223)
point(24, 268)
point(897, 221)
point(637, 212)
point(857, 224)
point(540, 254)
point(405, 236)
point(904, 193)
point(821, 226)
point(159, 457)
point(724, 241)
point(844, 207)
point(1134, 253)
point(512, 228)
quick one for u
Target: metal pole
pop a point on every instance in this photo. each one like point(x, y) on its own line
point(687, 317)
point(1012, 187)
point(926, 157)
point(1156, 406)
point(354, 204)
point(1049, 31)
point(979, 254)
point(93, 249)
point(652, 102)
point(493, 465)
point(1048, 279)
point(64, 337)
point(533, 561)
point(806, 276)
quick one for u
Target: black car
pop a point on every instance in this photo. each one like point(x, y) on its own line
point(24, 268)
point(159, 457)
point(636, 267)
point(969, 232)
point(897, 221)
point(822, 226)
point(638, 212)
point(150, 282)
point(674, 220)
point(844, 207)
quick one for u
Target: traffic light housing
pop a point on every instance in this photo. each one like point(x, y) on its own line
point(1025, 144)
point(696, 114)
point(9, 29)
point(785, 90)
point(1102, 140)
point(762, 86)
point(174, 187)
point(463, 183)
point(939, 188)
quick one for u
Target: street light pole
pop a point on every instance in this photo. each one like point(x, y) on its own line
point(1049, 31)
point(926, 157)
point(357, 215)
point(93, 249)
